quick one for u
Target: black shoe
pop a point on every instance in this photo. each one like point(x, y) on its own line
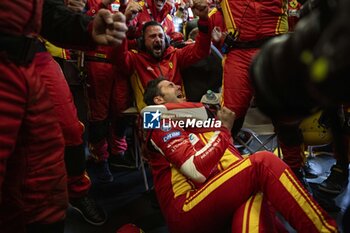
point(103, 173)
point(300, 174)
point(121, 161)
point(89, 210)
point(336, 182)
point(326, 201)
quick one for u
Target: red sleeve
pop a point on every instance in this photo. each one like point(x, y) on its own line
point(94, 6)
point(197, 164)
point(193, 53)
point(122, 58)
point(169, 24)
point(216, 19)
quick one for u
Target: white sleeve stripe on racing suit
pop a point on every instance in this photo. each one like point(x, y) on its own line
point(209, 144)
point(188, 167)
point(190, 170)
point(156, 147)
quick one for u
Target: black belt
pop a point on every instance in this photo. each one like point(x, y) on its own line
point(97, 59)
point(19, 49)
point(40, 46)
point(250, 44)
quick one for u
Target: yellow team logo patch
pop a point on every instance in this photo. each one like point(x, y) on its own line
point(171, 65)
point(293, 3)
point(100, 55)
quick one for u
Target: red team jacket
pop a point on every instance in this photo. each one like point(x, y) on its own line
point(143, 67)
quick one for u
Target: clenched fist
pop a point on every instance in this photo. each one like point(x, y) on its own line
point(227, 117)
point(200, 8)
point(108, 28)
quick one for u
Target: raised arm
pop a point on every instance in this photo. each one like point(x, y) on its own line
point(75, 30)
point(193, 53)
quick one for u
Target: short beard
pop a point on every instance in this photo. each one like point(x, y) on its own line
point(158, 57)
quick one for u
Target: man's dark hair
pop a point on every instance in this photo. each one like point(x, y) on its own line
point(148, 24)
point(152, 90)
point(141, 40)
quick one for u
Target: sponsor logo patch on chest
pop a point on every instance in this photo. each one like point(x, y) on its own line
point(193, 138)
point(171, 135)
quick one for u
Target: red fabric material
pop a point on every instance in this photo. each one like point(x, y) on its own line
point(204, 160)
point(100, 85)
point(129, 228)
point(118, 145)
point(20, 17)
point(293, 156)
point(237, 90)
point(247, 213)
point(206, 207)
point(56, 84)
point(145, 67)
point(93, 6)
point(257, 20)
point(58, 89)
point(177, 37)
point(99, 151)
point(179, 58)
point(254, 21)
point(121, 93)
point(32, 171)
point(78, 186)
point(172, 106)
point(216, 19)
point(218, 206)
point(108, 89)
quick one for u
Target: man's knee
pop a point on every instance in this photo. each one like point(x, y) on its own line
point(267, 160)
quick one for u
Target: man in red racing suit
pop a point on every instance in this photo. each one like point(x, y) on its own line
point(251, 24)
point(202, 182)
point(157, 58)
point(33, 192)
point(108, 96)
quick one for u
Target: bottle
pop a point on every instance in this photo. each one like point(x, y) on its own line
point(211, 101)
point(210, 98)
